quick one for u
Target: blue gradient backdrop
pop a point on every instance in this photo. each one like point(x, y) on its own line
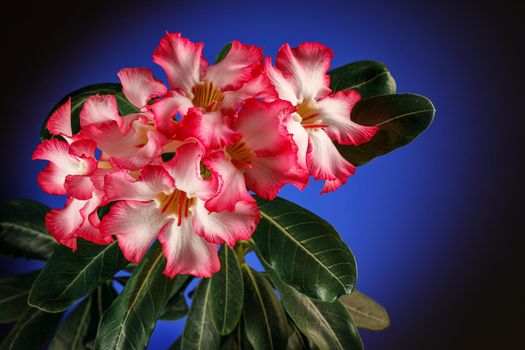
point(413, 217)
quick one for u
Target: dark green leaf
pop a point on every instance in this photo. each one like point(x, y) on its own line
point(23, 230)
point(199, 332)
point(13, 295)
point(327, 325)
point(79, 329)
point(369, 78)
point(176, 308)
point(78, 97)
point(365, 312)
point(176, 344)
point(224, 51)
point(33, 331)
point(298, 341)
point(263, 315)
point(400, 118)
point(69, 276)
point(227, 292)
point(304, 250)
point(129, 321)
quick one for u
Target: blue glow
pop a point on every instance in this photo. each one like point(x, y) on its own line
point(401, 213)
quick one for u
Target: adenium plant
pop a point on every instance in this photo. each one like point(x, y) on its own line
point(167, 184)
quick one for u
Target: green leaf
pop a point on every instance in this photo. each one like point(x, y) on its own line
point(69, 276)
point(227, 292)
point(199, 332)
point(224, 51)
point(13, 295)
point(369, 78)
point(176, 308)
point(263, 315)
point(23, 230)
point(298, 341)
point(78, 97)
point(130, 320)
point(304, 250)
point(79, 329)
point(33, 331)
point(327, 325)
point(365, 312)
point(400, 119)
point(176, 344)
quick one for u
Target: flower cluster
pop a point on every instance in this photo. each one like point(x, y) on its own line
point(236, 126)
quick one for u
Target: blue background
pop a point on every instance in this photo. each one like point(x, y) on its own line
point(434, 226)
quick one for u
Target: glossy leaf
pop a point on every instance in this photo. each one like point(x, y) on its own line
point(226, 292)
point(365, 312)
point(369, 78)
point(78, 97)
point(69, 276)
point(79, 329)
point(400, 118)
point(224, 51)
point(13, 295)
point(304, 250)
point(298, 341)
point(263, 315)
point(199, 333)
point(130, 320)
point(33, 330)
point(23, 230)
point(176, 308)
point(327, 325)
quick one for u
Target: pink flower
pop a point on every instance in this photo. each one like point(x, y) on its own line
point(263, 157)
point(300, 77)
point(72, 170)
point(217, 89)
point(128, 142)
point(168, 202)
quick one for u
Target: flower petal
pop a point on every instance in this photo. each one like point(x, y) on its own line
point(167, 108)
point(236, 68)
point(185, 169)
point(326, 163)
point(83, 148)
point(284, 83)
point(144, 155)
point(308, 63)
point(98, 110)
point(259, 87)
point(181, 60)
point(258, 118)
point(232, 188)
point(136, 224)
point(226, 227)
point(62, 223)
point(334, 111)
point(212, 129)
point(300, 137)
point(139, 86)
point(187, 253)
point(60, 121)
point(79, 186)
point(153, 180)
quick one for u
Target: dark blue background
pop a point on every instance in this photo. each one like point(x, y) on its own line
point(435, 226)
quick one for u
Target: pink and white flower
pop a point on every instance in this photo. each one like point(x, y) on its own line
point(218, 89)
point(72, 170)
point(168, 202)
point(262, 159)
point(321, 117)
